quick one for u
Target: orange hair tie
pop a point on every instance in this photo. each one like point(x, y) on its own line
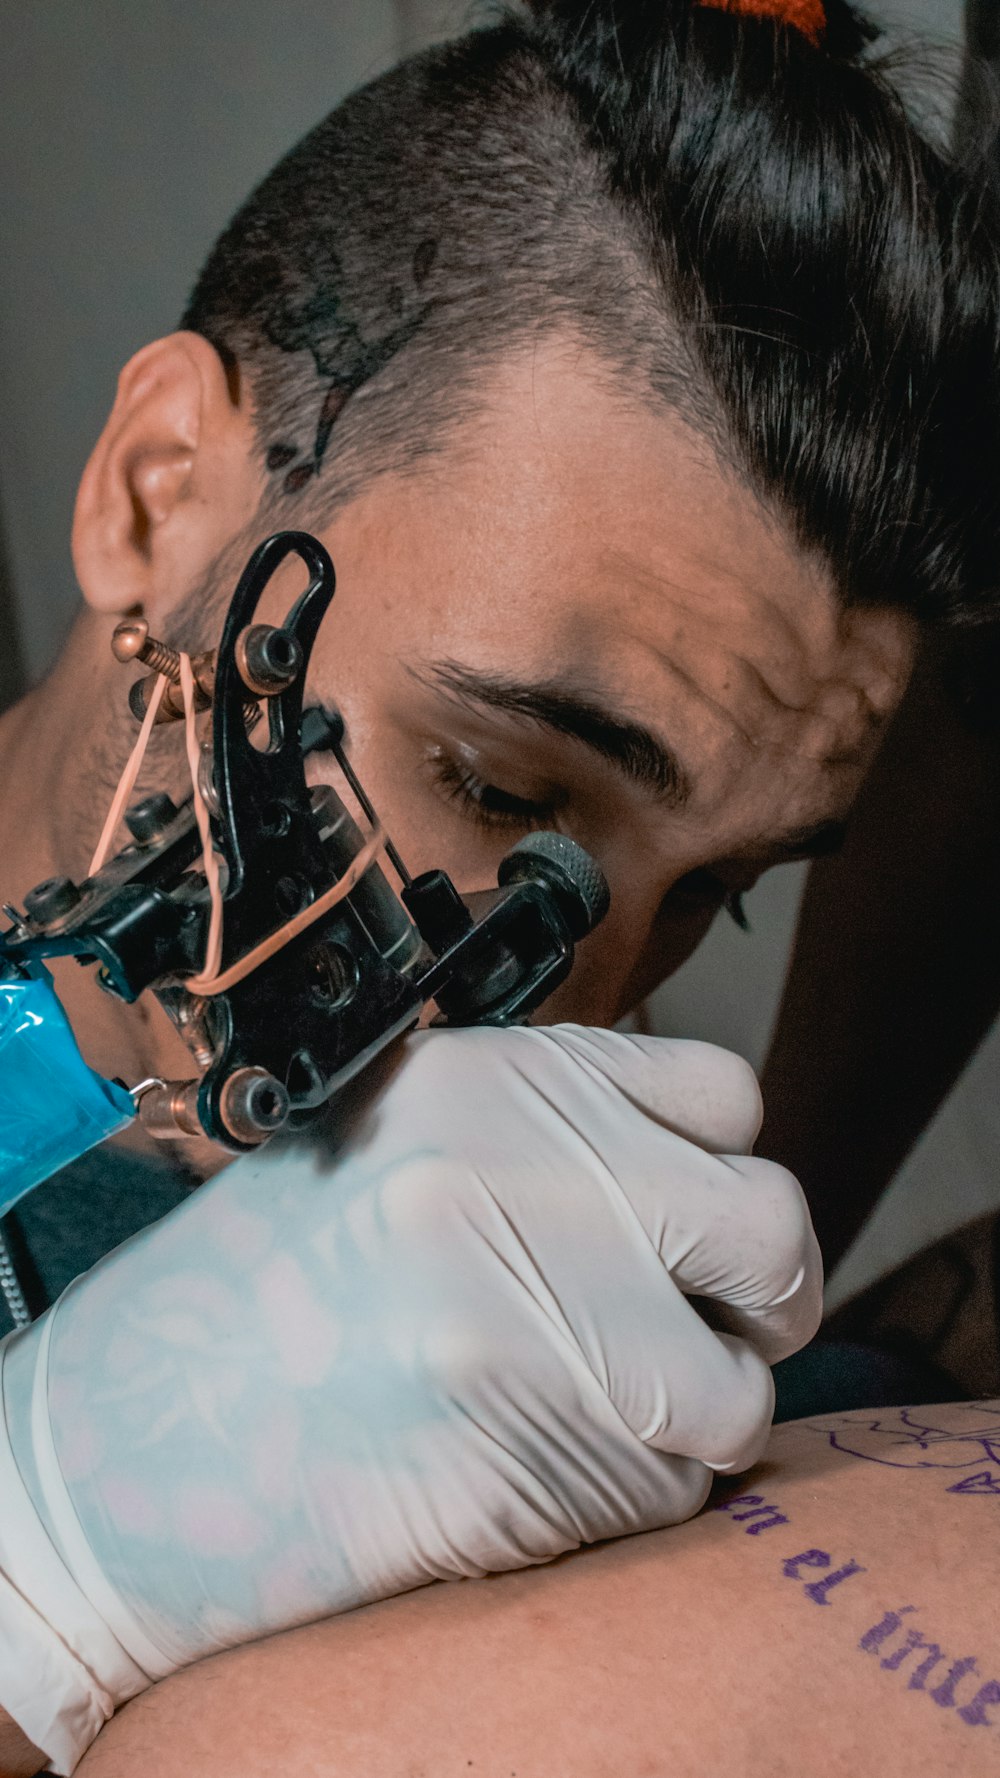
point(807, 16)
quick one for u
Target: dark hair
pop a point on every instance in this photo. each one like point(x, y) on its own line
point(748, 224)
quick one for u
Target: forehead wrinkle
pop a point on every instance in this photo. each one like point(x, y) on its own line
point(843, 735)
point(787, 624)
point(693, 686)
point(620, 564)
point(810, 714)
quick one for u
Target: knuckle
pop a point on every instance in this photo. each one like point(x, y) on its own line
point(419, 1199)
point(732, 1099)
point(459, 1359)
point(749, 1410)
point(784, 1224)
point(740, 1096)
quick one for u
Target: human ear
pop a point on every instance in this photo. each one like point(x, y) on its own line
point(170, 481)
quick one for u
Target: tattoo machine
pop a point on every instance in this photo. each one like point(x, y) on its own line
point(259, 914)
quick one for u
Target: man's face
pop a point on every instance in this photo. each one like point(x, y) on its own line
point(571, 618)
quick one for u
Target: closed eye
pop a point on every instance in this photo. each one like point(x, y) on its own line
point(489, 804)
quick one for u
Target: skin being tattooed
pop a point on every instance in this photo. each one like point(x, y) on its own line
point(825, 1615)
point(346, 353)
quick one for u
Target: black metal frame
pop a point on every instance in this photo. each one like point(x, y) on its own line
point(331, 998)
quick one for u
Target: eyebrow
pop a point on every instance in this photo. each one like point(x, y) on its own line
point(631, 748)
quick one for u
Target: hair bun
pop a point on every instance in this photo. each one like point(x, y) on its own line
point(837, 25)
point(807, 16)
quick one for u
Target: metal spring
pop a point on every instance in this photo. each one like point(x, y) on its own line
point(10, 1287)
point(161, 658)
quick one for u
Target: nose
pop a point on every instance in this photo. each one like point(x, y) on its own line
point(642, 940)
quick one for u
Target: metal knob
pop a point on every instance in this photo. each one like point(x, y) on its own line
point(578, 883)
point(253, 1105)
point(132, 642)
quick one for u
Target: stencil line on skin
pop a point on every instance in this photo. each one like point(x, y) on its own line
point(873, 1440)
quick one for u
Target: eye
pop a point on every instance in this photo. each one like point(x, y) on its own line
point(489, 804)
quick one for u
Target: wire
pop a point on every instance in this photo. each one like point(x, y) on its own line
point(369, 811)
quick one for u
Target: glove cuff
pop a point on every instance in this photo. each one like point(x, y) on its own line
point(63, 1671)
point(53, 1698)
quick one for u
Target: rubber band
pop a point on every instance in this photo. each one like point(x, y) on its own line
point(126, 783)
point(210, 981)
point(220, 984)
point(213, 945)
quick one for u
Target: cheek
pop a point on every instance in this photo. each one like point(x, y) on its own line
point(672, 938)
point(354, 678)
point(618, 966)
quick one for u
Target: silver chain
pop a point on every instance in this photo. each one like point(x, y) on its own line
point(10, 1287)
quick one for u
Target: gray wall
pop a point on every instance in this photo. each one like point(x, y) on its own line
point(128, 132)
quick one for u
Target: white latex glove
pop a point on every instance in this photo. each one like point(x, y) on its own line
point(463, 1343)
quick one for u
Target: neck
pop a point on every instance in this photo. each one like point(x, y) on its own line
point(55, 798)
point(44, 761)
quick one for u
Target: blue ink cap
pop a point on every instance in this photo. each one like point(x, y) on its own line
point(53, 1108)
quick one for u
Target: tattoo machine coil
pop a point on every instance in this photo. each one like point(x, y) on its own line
point(258, 912)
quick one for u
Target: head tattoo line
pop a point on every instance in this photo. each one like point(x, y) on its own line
point(320, 322)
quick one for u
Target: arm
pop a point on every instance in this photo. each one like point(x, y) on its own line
point(455, 1336)
point(18, 1759)
point(895, 976)
point(834, 1612)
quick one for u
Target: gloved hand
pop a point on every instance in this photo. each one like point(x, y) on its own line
point(466, 1343)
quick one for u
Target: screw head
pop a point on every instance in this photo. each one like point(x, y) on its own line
point(129, 637)
point(51, 900)
point(253, 1105)
point(148, 820)
point(268, 659)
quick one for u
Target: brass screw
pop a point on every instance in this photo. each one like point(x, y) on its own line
point(132, 642)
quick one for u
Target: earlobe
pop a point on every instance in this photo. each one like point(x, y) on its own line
point(145, 528)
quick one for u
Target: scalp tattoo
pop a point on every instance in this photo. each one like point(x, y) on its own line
point(321, 320)
point(524, 176)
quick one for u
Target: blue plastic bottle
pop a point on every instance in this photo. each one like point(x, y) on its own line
point(52, 1106)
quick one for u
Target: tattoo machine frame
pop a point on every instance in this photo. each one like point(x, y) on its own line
point(322, 963)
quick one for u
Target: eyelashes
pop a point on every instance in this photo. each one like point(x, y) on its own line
point(495, 809)
point(487, 804)
point(733, 905)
